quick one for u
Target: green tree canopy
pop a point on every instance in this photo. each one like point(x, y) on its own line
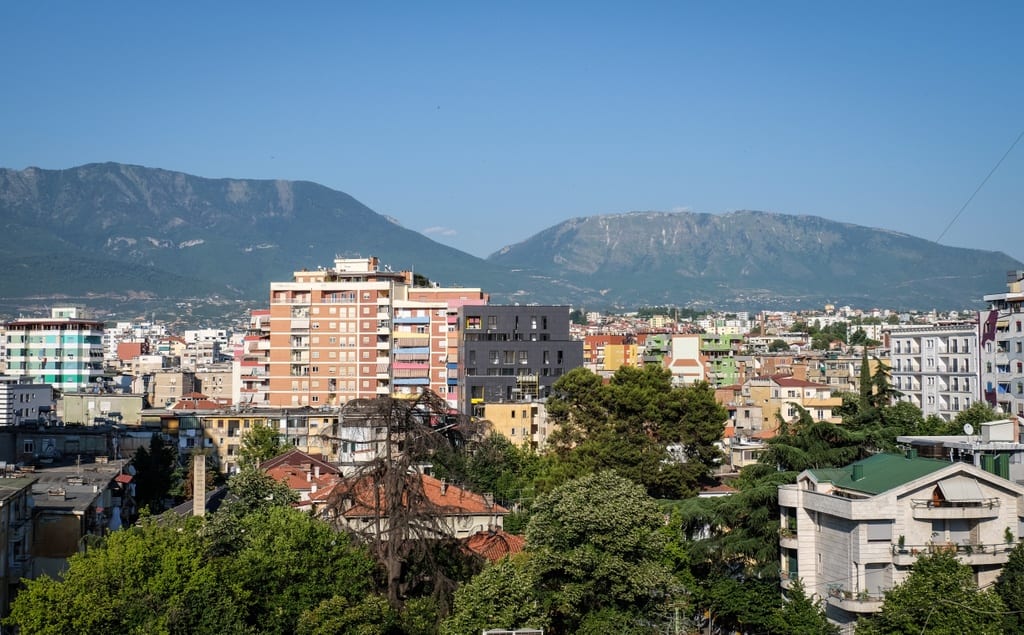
point(1010, 587)
point(799, 615)
point(979, 413)
point(161, 577)
point(260, 443)
point(503, 595)
point(631, 423)
point(595, 548)
point(939, 597)
point(154, 474)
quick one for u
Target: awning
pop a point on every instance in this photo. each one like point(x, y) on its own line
point(960, 489)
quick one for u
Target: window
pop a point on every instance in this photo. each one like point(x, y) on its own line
point(523, 359)
point(492, 321)
point(879, 531)
point(513, 416)
point(493, 357)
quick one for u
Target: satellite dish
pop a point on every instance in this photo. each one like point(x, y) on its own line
point(968, 429)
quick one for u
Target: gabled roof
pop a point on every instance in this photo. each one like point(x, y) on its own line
point(787, 381)
point(450, 500)
point(495, 545)
point(298, 478)
point(879, 473)
point(298, 457)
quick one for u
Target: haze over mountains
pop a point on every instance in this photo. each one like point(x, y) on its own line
point(119, 229)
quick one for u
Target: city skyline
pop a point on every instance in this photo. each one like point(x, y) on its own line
point(452, 120)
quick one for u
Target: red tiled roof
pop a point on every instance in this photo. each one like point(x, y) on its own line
point(196, 404)
point(495, 545)
point(123, 478)
point(791, 382)
point(299, 479)
point(298, 457)
point(685, 362)
point(453, 501)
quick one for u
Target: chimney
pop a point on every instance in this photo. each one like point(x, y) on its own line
point(199, 485)
point(309, 476)
point(444, 487)
point(858, 471)
point(316, 471)
point(489, 500)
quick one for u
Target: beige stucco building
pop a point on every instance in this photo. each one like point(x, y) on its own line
point(852, 533)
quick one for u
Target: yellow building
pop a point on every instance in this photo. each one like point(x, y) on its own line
point(520, 423)
point(781, 394)
point(618, 355)
point(300, 428)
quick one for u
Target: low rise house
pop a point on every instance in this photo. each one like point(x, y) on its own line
point(852, 533)
point(459, 512)
point(73, 501)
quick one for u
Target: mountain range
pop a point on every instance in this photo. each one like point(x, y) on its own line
point(121, 230)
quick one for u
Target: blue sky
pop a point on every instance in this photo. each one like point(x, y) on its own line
point(481, 123)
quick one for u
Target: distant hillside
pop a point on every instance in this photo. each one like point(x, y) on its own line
point(751, 259)
point(113, 228)
point(119, 232)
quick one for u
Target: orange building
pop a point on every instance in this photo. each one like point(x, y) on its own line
point(355, 331)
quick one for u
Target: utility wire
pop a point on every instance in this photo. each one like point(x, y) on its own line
point(981, 185)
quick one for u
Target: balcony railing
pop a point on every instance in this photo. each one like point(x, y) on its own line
point(926, 508)
point(970, 553)
point(856, 601)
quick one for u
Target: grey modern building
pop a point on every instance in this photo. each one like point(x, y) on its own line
point(513, 353)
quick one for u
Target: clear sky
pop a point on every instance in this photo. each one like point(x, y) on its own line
point(482, 123)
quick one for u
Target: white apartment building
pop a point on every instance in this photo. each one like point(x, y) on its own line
point(851, 534)
point(1002, 340)
point(130, 332)
point(64, 350)
point(937, 367)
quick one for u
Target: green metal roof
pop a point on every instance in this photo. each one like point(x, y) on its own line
point(880, 473)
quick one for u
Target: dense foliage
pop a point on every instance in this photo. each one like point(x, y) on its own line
point(255, 566)
point(938, 597)
point(617, 541)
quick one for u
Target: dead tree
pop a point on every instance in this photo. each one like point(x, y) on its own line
point(384, 503)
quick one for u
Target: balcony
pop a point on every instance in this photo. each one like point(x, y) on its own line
point(787, 538)
point(300, 324)
point(855, 601)
point(928, 509)
point(970, 554)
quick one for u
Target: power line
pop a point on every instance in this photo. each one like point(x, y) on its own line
point(981, 185)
